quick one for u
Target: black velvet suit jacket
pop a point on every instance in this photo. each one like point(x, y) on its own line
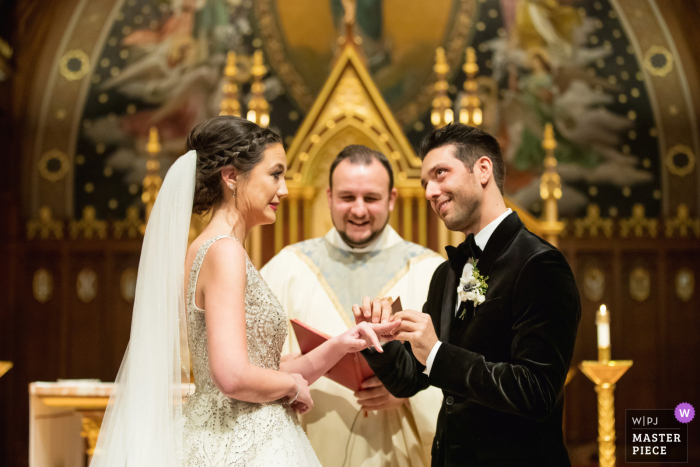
point(502, 370)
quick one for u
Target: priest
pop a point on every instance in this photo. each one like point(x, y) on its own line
point(317, 281)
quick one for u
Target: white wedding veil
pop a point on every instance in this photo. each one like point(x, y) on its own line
point(143, 422)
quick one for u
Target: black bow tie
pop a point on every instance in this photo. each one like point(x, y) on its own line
point(459, 256)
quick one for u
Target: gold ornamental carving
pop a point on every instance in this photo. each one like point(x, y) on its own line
point(658, 60)
point(86, 285)
point(129, 227)
point(53, 165)
point(74, 65)
point(682, 223)
point(685, 284)
point(88, 227)
point(91, 424)
point(594, 284)
point(593, 224)
point(230, 104)
point(638, 224)
point(42, 285)
point(640, 284)
point(5, 367)
point(550, 186)
point(680, 160)
point(128, 284)
point(46, 226)
point(442, 113)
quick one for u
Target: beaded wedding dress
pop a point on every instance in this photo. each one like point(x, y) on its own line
point(220, 431)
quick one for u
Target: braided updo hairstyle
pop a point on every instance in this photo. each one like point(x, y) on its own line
point(220, 142)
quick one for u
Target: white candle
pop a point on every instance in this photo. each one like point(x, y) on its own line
point(603, 323)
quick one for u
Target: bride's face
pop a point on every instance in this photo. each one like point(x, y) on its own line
point(259, 196)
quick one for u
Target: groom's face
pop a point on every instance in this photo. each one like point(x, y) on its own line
point(453, 190)
point(360, 201)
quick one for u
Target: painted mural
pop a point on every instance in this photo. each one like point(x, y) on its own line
point(568, 62)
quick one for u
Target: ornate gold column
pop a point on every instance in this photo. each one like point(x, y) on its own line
point(256, 245)
point(422, 219)
point(308, 195)
point(279, 227)
point(550, 189)
point(394, 215)
point(152, 181)
point(443, 237)
point(229, 104)
point(293, 200)
point(407, 201)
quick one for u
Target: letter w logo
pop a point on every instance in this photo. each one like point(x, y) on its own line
point(684, 412)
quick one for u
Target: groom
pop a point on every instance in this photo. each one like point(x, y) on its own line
point(501, 345)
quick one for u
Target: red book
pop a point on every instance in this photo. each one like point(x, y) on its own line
point(352, 369)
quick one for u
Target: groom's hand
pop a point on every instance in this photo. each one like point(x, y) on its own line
point(416, 328)
point(374, 396)
point(372, 311)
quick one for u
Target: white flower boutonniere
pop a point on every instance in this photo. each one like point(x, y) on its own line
point(472, 285)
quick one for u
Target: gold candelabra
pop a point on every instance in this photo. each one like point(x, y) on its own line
point(605, 373)
point(470, 105)
point(442, 113)
point(258, 108)
point(229, 104)
point(550, 189)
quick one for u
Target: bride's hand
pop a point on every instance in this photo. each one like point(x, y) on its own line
point(303, 402)
point(364, 335)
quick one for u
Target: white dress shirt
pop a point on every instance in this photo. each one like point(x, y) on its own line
point(481, 239)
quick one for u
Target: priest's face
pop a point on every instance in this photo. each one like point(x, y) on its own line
point(360, 201)
point(455, 193)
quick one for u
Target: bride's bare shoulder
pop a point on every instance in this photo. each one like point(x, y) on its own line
point(225, 249)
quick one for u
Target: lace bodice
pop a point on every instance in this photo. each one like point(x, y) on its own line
point(220, 431)
point(266, 322)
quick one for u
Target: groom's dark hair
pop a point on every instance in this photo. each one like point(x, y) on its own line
point(470, 144)
point(358, 154)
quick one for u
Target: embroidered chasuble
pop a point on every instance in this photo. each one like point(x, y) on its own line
point(318, 281)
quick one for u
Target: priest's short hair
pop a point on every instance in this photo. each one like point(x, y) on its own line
point(358, 154)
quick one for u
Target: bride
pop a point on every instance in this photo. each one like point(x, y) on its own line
point(242, 410)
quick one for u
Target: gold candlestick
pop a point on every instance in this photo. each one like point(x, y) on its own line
point(605, 375)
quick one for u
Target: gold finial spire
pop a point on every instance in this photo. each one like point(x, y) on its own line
point(550, 188)
point(470, 105)
point(229, 104)
point(258, 108)
point(152, 181)
point(442, 113)
point(349, 18)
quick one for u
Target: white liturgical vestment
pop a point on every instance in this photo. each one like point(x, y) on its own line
point(317, 281)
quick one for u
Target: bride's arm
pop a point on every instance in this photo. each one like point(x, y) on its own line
point(316, 363)
point(222, 280)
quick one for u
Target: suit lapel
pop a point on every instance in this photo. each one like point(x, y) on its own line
point(448, 304)
point(499, 240)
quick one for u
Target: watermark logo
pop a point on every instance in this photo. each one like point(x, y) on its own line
point(684, 412)
point(657, 435)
